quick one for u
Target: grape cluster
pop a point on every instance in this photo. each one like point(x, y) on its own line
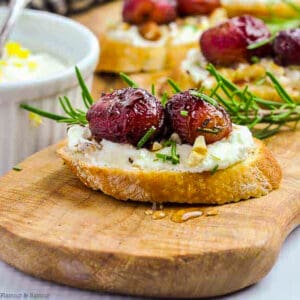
point(230, 43)
point(164, 11)
point(127, 115)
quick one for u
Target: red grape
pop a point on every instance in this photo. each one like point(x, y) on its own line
point(125, 116)
point(141, 11)
point(197, 7)
point(199, 118)
point(227, 43)
point(287, 47)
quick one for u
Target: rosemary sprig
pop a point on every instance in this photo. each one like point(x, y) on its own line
point(73, 115)
point(264, 117)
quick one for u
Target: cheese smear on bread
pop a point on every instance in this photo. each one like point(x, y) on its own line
point(222, 154)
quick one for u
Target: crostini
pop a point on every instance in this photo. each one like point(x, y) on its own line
point(183, 149)
point(244, 51)
point(154, 35)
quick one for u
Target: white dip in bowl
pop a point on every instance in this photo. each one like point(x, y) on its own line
point(20, 64)
point(58, 44)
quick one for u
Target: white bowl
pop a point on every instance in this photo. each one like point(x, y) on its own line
point(73, 44)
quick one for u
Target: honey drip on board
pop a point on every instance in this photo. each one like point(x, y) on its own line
point(183, 215)
point(156, 213)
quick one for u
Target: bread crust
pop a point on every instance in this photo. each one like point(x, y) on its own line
point(117, 56)
point(256, 176)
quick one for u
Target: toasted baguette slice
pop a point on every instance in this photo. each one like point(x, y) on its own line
point(121, 55)
point(260, 8)
point(256, 176)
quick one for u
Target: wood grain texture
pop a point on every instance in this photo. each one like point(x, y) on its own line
point(53, 227)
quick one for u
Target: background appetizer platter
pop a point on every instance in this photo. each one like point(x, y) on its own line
point(54, 227)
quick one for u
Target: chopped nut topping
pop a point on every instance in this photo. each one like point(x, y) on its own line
point(200, 145)
point(156, 146)
point(198, 153)
point(150, 31)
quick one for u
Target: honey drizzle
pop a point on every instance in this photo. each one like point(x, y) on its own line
point(183, 215)
point(156, 213)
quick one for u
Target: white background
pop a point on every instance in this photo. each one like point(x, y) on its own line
point(282, 283)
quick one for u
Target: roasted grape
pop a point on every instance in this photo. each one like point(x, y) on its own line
point(287, 47)
point(227, 43)
point(125, 116)
point(196, 7)
point(190, 116)
point(141, 11)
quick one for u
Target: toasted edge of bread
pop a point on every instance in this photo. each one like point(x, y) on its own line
point(256, 176)
point(117, 56)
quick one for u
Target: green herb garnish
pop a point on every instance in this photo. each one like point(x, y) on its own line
point(173, 157)
point(214, 130)
point(245, 108)
point(16, 168)
point(153, 89)
point(204, 97)
point(261, 43)
point(128, 80)
point(86, 96)
point(184, 113)
point(146, 137)
point(73, 115)
point(164, 99)
point(214, 170)
point(174, 85)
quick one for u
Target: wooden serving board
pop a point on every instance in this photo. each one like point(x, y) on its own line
point(53, 227)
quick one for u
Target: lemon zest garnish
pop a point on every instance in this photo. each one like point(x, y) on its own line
point(15, 49)
point(35, 120)
point(32, 65)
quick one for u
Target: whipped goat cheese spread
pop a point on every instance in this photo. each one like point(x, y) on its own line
point(224, 153)
point(20, 64)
